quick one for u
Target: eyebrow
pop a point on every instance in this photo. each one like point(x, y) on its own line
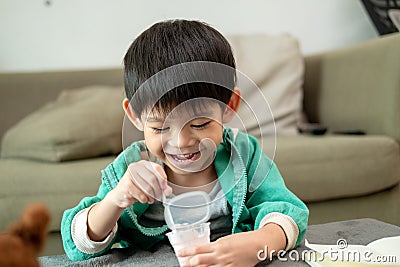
point(205, 114)
point(154, 119)
point(196, 115)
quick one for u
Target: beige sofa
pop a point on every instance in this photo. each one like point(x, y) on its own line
point(338, 176)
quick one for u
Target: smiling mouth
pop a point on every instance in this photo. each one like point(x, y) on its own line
point(185, 158)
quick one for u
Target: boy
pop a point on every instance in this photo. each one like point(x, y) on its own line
point(186, 148)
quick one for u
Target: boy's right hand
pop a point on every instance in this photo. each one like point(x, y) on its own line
point(143, 181)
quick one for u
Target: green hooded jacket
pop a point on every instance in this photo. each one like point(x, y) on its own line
point(239, 162)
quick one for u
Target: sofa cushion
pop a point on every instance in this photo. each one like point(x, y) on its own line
point(383, 206)
point(332, 167)
point(275, 64)
point(80, 123)
point(60, 186)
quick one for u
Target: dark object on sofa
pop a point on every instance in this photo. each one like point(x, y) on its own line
point(378, 10)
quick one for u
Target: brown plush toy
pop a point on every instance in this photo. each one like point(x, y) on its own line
point(21, 243)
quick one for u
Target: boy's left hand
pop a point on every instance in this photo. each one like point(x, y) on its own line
point(233, 250)
point(241, 249)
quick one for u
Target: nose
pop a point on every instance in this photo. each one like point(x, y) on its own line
point(182, 138)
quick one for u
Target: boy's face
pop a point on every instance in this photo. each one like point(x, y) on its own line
point(185, 139)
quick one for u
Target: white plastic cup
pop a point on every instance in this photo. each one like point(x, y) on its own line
point(191, 235)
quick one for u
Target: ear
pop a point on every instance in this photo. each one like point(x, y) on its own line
point(132, 115)
point(233, 106)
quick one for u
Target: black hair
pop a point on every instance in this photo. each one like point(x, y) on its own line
point(166, 44)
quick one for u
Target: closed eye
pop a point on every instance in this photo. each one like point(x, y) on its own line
point(201, 126)
point(160, 130)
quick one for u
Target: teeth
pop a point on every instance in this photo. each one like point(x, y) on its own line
point(188, 156)
point(182, 157)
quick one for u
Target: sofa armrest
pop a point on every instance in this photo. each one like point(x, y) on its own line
point(356, 88)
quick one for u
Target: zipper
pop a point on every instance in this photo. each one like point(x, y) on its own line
point(241, 185)
point(145, 230)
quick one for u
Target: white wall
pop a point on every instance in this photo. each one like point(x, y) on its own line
point(81, 34)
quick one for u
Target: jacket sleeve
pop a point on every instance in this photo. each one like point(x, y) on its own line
point(69, 246)
point(269, 194)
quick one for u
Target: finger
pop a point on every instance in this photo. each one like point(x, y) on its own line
point(154, 179)
point(133, 192)
point(160, 173)
point(200, 260)
point(138, 194)
point(162, 177)
point(130, 191)
point(136, 175)
point(145, 180)
point(192, 251)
